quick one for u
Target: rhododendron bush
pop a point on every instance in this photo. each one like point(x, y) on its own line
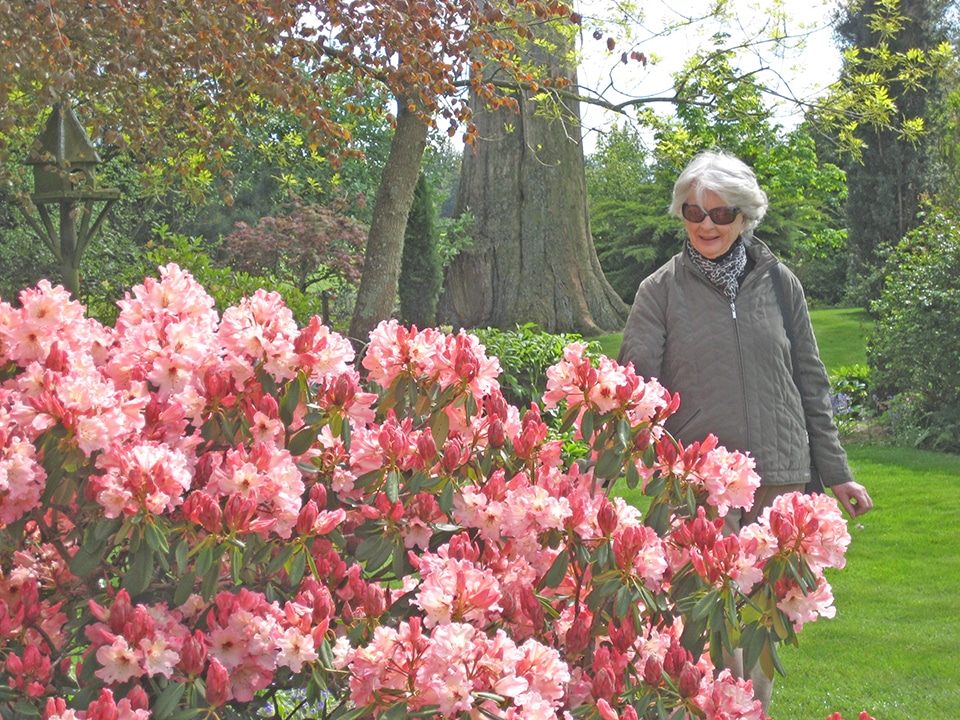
point(206, 515)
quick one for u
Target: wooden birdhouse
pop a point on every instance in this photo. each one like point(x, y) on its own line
point(64, 161)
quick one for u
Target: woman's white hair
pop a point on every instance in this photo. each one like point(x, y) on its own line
point(730, 178)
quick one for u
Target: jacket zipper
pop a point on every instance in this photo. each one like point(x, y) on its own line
point(736, 328)
point(743, 378)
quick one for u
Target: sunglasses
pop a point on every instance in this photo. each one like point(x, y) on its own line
point(719, 215)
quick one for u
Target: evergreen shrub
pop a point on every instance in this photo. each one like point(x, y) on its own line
point(914, 352)
point(421, 272)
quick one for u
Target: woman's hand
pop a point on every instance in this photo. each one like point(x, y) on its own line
point(854, 498)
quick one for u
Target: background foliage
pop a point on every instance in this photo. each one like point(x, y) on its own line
point(915, 348)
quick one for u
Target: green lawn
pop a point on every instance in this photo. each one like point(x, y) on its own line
point(841, 334)
point(892, 649)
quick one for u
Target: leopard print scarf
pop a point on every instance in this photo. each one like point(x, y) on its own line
point(724, 271)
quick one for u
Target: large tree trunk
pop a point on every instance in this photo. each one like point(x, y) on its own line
point(377, 294)
point(533, 258)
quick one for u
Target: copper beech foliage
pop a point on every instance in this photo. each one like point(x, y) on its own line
point(166, 77)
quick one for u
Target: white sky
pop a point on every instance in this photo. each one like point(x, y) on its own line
point(806, 70)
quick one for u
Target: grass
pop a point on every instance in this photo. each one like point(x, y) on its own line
point(841, 334)
point(892, 648)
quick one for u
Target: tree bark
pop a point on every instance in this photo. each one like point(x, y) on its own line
point(376, 297)
point(533, 258)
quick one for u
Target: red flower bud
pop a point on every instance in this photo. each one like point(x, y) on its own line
point(213, 383)
point(653, 671)
point(578, 636)
point(318, 493)
point(603, 683)
point(120, 612)
point(218, 680)
point(497, 434)
point(138, 698)
point(374, 602)
point(426, 446)
point(193, 655)
point(690, 676)
point(674, 660)
point(238, 513)
point(454, 455)
point(103, 708)
point(269, 407)
point(307, 518)
point(344, 389)
point(607, 517)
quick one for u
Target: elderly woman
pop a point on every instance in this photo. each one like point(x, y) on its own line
point(715, 324)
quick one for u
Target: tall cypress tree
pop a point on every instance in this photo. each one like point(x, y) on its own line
point(421, 274)
point(885, 185)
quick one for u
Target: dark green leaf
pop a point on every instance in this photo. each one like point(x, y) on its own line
point(446, 498)
point(164, 705)
point(84, 562)
point(609, 464)
point(586, 425)
point(557, 571)
point(392, 485)
point(140, 572)
point(156, 539)
point(297, 566)
point(397, 711)
point(184, 587)
point(280, 559)
point(291, 399)
point(302, 441)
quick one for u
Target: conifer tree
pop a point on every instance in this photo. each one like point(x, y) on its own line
point(421, 275)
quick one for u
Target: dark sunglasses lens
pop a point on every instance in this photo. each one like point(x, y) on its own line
point(723, 215)
point(693, 213)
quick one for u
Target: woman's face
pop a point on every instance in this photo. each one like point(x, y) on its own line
point(708, 238)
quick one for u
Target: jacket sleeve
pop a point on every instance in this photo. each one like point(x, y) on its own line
point(644, 336)
point(827, 453)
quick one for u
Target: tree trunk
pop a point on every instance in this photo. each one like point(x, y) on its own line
point(533, 258)
point(377, 294)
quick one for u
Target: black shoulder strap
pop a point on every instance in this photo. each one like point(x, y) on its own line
point(777, 278)
point(816, 482)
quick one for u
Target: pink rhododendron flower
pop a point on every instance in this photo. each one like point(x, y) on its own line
point(728, 698)
point(120, 662)
point(729, 479)
point(803, 607)
point(22, 479)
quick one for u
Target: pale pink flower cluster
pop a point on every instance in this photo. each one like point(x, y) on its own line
point(730, 479)
point(49, 322)
point(605, 387)
point(63, 380)
point(260, 331)
point(456, 590)
point(729, 698)
point(21, 477)
point(429, 355)
point(812, 528)
point(149, 477)
point(245, 636)
point(451, 666)
point(267, 479)
point(167, 336)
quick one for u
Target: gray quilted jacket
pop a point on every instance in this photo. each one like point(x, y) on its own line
point(731, 364)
